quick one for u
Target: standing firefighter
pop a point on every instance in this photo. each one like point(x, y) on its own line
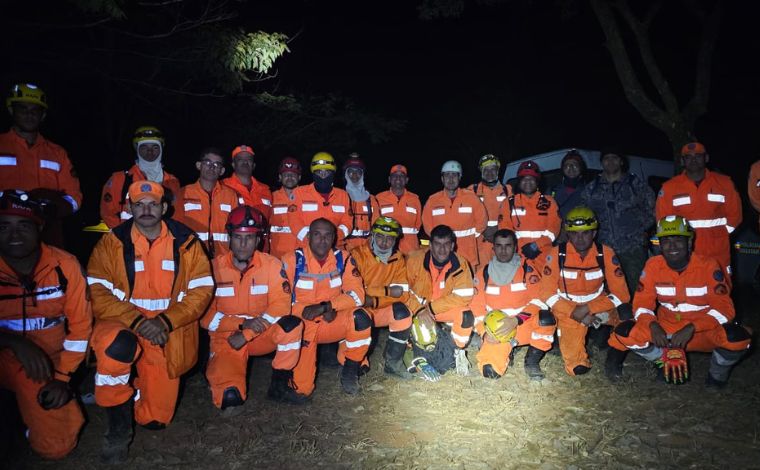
point(281, 237)
point(250, 315)
point(493, 194)
point(45, 324)
point(151, 282)
point(252, 192)
point(404, 206)
point(682, 304)
point(364, 206)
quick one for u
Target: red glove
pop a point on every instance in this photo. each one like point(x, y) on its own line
point(674, 365)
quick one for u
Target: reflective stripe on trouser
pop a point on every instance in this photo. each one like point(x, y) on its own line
point(227, 367)
point(52, 433)
point(529, 333)
point(382, 317)
point(640, 338)
point(459, 334)
point(320, 332)
point(155, 394)
point(572, 343)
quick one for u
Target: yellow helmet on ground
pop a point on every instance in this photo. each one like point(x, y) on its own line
point(495, 319)
point(488, 159)
point(144, 133)
point(26, 93)
point(581, 219)
point(674, 225)
point(386, 226)
point(424, 337)
point(323, 161)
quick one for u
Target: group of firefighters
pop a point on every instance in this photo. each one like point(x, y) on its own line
point(284, 272)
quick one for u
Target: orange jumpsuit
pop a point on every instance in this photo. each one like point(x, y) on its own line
point(43, 165)
point(448, 291)
point(113, 206)
point(281, 237)
point(258, 195)
point(465, 215)
point(57, 318)
point(581, 281)
point(713, 209)
point(698, 295)
point(362, 216)
point(521, 296)
point(260, 291)
point(533, 219)
point(311, 205)
point(753, 186)
point(206, 214)
point(132, 280)
point(407, 210)
point(328, 282)
point(494, 199)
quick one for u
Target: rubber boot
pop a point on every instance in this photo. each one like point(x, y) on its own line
point(349, 377)
point(613, 365)
point(533, 364)
point(119, 434)
point(394, 355)
point(280, 389)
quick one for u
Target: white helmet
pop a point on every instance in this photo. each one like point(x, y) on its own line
point(452, 166)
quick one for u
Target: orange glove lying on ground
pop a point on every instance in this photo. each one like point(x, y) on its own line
point(674, 365)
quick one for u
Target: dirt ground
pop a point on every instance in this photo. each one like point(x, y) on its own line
point(459, 422)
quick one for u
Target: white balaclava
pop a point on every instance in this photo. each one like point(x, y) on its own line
point(153, 171)
point(356, 191)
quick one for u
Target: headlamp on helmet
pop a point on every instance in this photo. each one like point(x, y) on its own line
point(386, 226)
point(674, 226)
point(487, 160)
point(147, 133)
point(245, 219)
point(26, 93)
point(323, 161)
point(581, 219)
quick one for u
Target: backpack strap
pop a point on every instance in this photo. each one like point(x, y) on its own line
point(300, 268)
point(128, 179)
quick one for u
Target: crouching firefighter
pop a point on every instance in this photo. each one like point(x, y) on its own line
point(45, 324)
point(250, 315)
point(682, 303)
point(150, 281)
point(383, 269)
point(508, 310)
point(328, 296)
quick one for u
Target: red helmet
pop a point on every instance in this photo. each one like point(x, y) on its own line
point(18, 202)
point(529, 168)
point(289, 164)
point(354, 162)
point(246, 219)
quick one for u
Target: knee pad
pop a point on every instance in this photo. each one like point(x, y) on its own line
point(546, 318)
point(123, 347)
point(624, 329)
point(489, 373)
point(231, 397)
point(362, 320)
point(625, 312)
point(400, 311)
point(468, 319)
point(736, 333)
point(288, 323)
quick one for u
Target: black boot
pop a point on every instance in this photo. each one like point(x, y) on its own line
point(349, 377)
point(328, 355)
point(613, 366)
point(532, 364)
point(394, 354)
point(280, 389)
point(116, 440)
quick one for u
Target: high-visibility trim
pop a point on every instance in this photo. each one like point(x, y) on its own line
point(302, 233)
point(519, 211)
point(359, 343)
point(167, 265)
point(709, 223)
point(535, 234)
point(205, 281)
point(203, 236)
point(539, 304)
point(465, 233)
point(364, 208)
point(636, 346)
point(356, 298)
point(53, 295)
point(180, 296)
point(642, 311)
point(221, 237)
point(493, 290)
point(266, 202)
point(305, 284)
point(289, 346)
point(124, 215)
point(213, 325)
point(681, 201)
point(508, 311)
point(260, 289)
point(336, 282)
point(684, 307)
point(270, 318)
point(225, 207)
point(338, 209)
point(716, 197)
point(518, 287)
point(730, 229)
point(75, 345)
point(464, 209)
point(436, 212)
point(696, 291)
point(442, 284)
point(102, 380)
point(225, 292)
point(591, 275)
point(279, 210)
point(460, 338)
point(534, 335)
point(154, 305)
point(411, 210)
point(404, 287)
point(667, 291)
point(50, 165)
point(279, 229)
point(360, 233)
point(464, 292)
point(410, 230)
point(552, 300)
point(386, 210)
point(31, 324)
point(7, 161)
point(615, 300)
point(492, 223)
point(569, 274)
point(343, 229)
point(192, 206)
point(718, 316)
point(582, 298)
point(241, 201)
point(72, 201)
point(139, 266)
point(309, 207)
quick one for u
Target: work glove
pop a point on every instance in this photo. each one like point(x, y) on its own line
point(424, 370)
point(674, 365)
point(462, 363)
point(531, 250)
point(600, 319)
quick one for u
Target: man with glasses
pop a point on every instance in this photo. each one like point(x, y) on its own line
point(252, 192)
point(204, 205)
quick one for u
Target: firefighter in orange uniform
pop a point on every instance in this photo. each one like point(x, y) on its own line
point(584, 286)
point(328, 295)
point(281, 237)
point(250, 316)
point(402, 205)
point(150, 282)
point(441, 288)
point(252, 192)
point(321, 200)
point(383, 269)
point(493, 194)
point(364, 206)
point(533, 216)
point(204, 205)
point(709, 202)
point(148, 143)
point(458, 208)
point(509, 286)
point(683, 303)
point(45, 324)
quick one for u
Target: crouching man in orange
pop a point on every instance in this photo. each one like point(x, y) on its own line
point(328, 295)
point(508, 287)
point(682, 303)
point(383, 269)
point(584, 286)
point(250, 315)
point(45, 323)
point(150, 282)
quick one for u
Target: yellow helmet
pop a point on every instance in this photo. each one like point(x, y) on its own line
point(674, 225)
point(488, 159)
point(26, 93)
point(423, 337)
point(144, 133)
point(386, 226)
point(323, 161)
point(494, 321)
point(580, 219)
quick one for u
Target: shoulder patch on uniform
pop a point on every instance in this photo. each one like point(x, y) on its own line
point(618, 272)
point(283, 274)
point(286, 287)
point(355, 272)
point(721, 289)
point(353, 261)
point(615, 260)
point(718, 275)
point(660, 193)
point(107, 197)
point(548, 258)
point(529, 269)
point(640, 287)
point(533, 279)
point(547, 271)
point(291, 208)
